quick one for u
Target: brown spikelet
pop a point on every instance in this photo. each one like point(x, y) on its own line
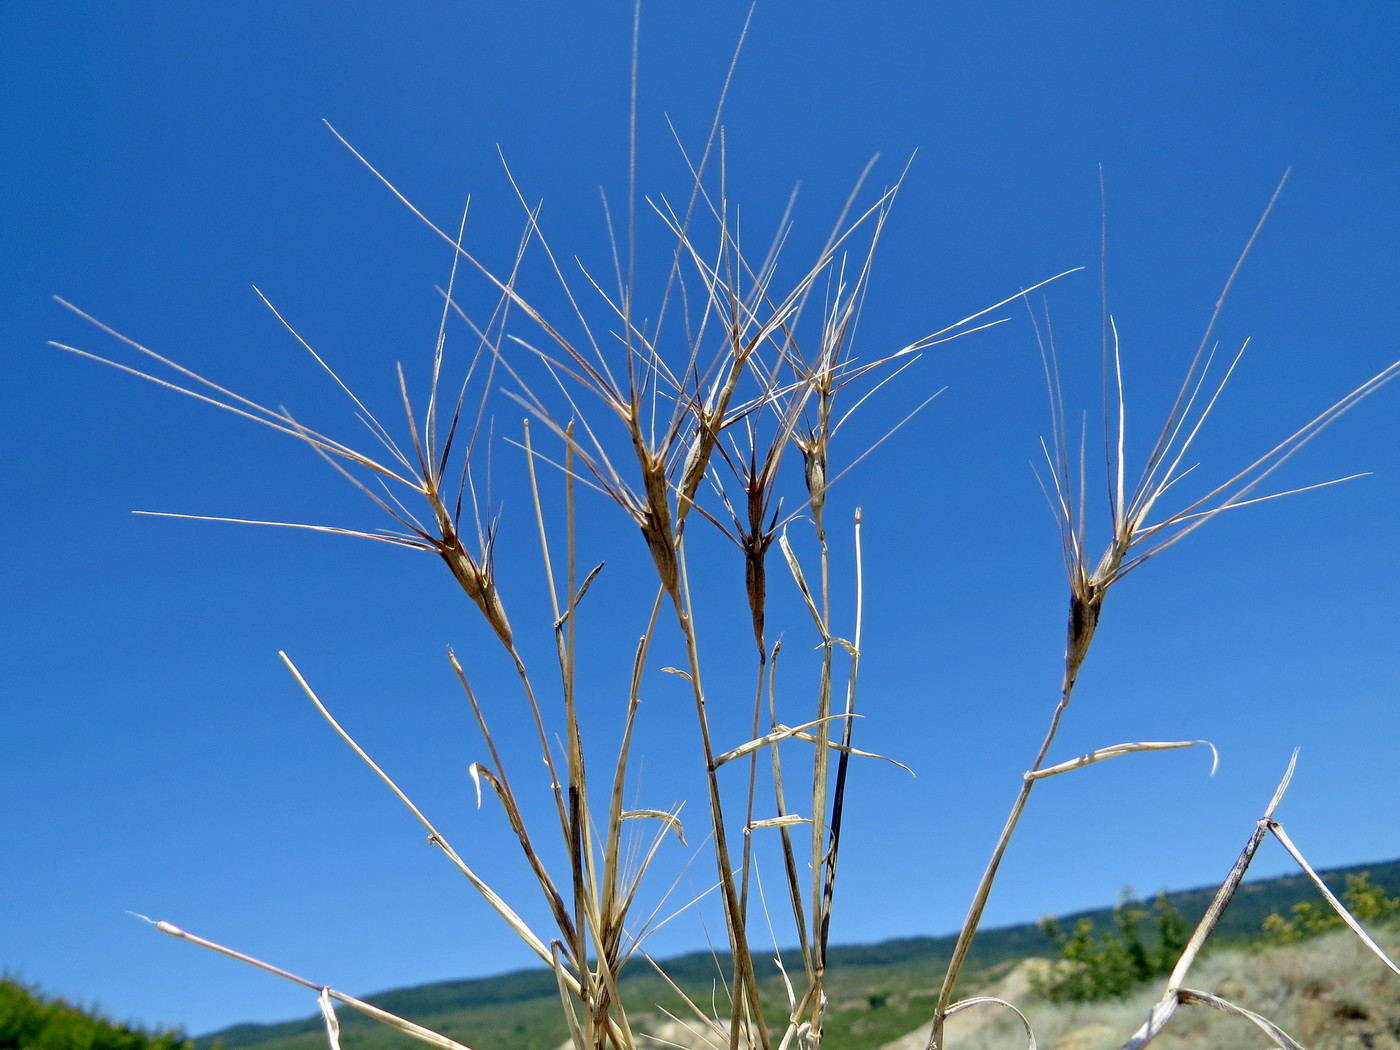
point(756, 541)
point(814, 462)
point(655, 519)
point(1083, 622)
point(473, 576)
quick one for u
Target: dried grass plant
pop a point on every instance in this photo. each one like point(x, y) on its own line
point(681, 415)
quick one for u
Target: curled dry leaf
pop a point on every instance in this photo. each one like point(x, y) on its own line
point(991, 1000)
point(1165, 1009)
point(1115, 750)
point(669, 819)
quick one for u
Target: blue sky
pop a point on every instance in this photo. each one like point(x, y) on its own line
point(162, 159)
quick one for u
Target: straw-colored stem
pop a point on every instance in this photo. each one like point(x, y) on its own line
point(795, 897)
point(821, 766)
point(974, 917)
point(435, 837)
point(746, 992)
point(500, 783)
point(843, 762)
point(1078, 648)
point(580, 843)
point(418, 1032)
point(613, 858)
point(1175, 994)
point(746, 859)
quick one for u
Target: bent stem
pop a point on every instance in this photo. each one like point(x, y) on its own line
point(1175, 994)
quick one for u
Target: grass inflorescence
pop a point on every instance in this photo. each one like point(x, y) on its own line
point(721, 406)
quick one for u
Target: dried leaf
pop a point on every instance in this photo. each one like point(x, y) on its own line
point(475, 770)
point(670, 819)
point(778, 822)
point(780, 732)
point(1122, 749)
point(796, 570)
point(332, 1022)
point(987, 1000)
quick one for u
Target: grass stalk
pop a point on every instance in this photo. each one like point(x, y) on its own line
point(700, 435)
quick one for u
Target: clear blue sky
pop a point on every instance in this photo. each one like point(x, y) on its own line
point(162, 158)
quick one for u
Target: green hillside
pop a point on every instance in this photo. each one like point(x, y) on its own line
point(30, 1020)
point(878, 991)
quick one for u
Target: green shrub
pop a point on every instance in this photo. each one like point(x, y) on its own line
point(1104, 965)
point(1369, 904)
point(29, 1021)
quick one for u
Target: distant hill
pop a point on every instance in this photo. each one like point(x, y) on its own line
point(520, 1010)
